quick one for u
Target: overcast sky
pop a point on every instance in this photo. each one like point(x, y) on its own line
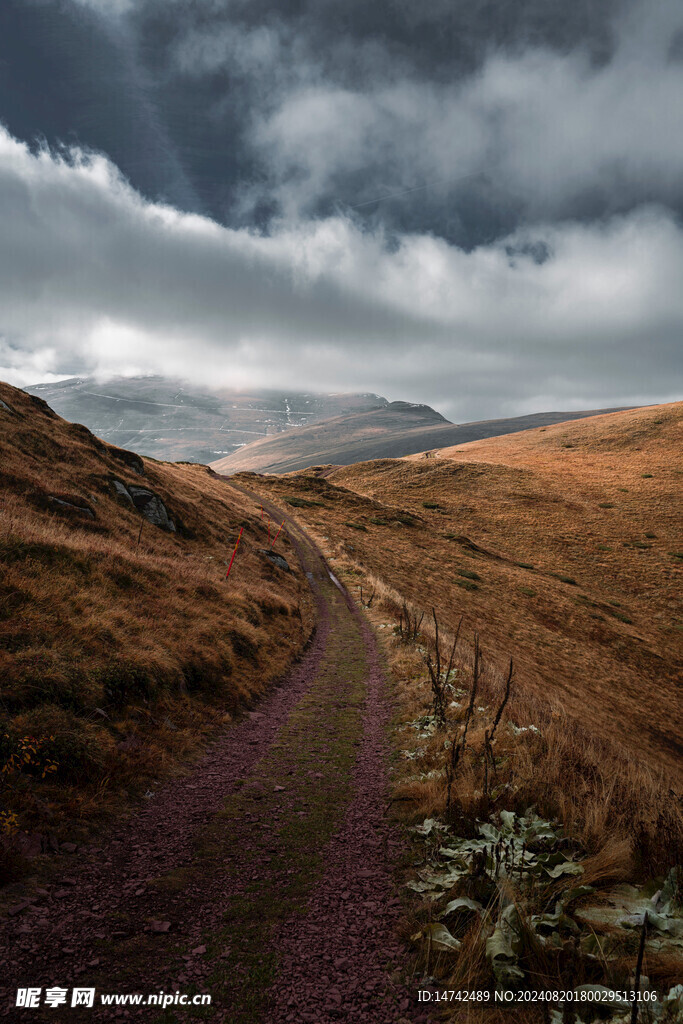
point(469, 204)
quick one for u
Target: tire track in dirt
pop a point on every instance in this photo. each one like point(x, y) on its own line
point(335, 963)
point(270, 863)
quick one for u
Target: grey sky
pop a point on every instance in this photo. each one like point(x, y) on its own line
point(187, 187)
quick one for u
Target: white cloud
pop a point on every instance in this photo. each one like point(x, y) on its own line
point(95, 279)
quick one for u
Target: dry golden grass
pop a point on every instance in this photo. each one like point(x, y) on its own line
point(561, 546)
point(617, 814)
point(127, 648)
point(603, 692)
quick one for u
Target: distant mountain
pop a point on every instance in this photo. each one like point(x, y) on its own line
point(169, 419)
point(390, 432)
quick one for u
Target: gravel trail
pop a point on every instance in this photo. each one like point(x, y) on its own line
point(263, 878)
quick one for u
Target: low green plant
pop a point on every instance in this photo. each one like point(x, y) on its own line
point(298, 502)
point(466, 584)
point(469, 574)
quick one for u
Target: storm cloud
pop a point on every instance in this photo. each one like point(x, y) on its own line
point(478, 211)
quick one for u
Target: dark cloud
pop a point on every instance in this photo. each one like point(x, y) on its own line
point(468, 204)
point(191, 100)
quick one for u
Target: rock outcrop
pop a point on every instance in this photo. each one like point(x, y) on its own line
point(146, 502)
point(276, 560)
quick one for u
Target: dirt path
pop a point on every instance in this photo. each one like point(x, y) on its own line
point(263, 878)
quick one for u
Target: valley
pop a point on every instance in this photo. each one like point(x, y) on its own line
point(442, 703)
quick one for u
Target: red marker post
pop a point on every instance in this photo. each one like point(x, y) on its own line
point(278, 533)
point(235, 551)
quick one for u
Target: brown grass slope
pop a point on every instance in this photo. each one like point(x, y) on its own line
point(561, 546)
point(398, 429)
point(119, 649)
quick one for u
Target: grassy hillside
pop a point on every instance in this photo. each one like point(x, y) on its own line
point(398, 429)
point(552, 783)
point(121, 642)
point(561, 546)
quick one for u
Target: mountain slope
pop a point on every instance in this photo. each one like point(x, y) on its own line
point(396, 430)
point(561, 546)
point(170, 419)
point(121, 642)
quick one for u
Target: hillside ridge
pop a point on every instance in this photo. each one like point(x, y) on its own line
point(397, 430)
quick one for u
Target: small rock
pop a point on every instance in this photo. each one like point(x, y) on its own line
point(18, 907)
point(68, 507)
point(122, 492)
point(160, 927)
point(69, 847)
point(198, 950)
point(277, 560)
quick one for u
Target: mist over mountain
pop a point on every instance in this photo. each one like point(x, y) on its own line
point(173, 420)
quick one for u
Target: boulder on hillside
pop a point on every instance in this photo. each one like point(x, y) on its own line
point(152, 507)
point(146, 502)
point(276, 560)
point(122, 492)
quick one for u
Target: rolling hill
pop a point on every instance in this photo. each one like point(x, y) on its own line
point(560, 545)
point(395, 430)
point(172, 420)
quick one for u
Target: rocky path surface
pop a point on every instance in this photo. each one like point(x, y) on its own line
point(263, 879)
